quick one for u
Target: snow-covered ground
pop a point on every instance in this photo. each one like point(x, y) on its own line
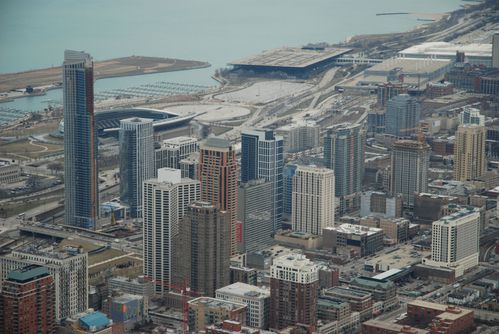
point(211, 112)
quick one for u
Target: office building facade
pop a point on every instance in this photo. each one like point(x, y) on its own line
point(218, 174)
point(344, 153)
point(203, 249)
point(27, 301)
point(402, 115)
point(312, 199)
point(262, 157)
point(165, 203)
point(81, 186)
point(136, 139)
point(470, 162)
point(294, 281)
point(409, 169)
point(254, 212)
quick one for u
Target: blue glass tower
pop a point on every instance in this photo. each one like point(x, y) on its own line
point(262, 157)
point(81, 193)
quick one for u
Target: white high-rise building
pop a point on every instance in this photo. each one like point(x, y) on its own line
point(312, 199)
point(136, 160)
point(165, 202)
point(455, 241)
point(69, 267)
point(257, 300)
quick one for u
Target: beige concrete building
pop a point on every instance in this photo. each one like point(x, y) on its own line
point(312, 199)
point(469, 152)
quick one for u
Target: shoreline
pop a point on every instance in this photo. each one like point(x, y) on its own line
point(13, 85)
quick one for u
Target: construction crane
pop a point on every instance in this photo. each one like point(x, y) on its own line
point(185, 292)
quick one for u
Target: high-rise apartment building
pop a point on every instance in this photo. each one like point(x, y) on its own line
point(27, 301)
point(172, 151)
point(262, 157)
point(81, 192)
point(68, 267)
point(165, 202)
point(344, 153)
point(455, 241)
point(469, 152)
point(254, 211)
point(218, 176)
point(471, 116)
point(136, 139)
point(388, 90)
point(402, 115)
point(300, 137)
point(202, 249)
point(312, 199)
point(294, 282)
point(409, 169)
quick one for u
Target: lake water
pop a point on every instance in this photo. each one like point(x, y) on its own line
point(34, 33)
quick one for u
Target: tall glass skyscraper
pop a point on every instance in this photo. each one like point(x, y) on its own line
point(262, 157)
point(81, 193)
point(136, 160)
point(402, 115)
point(344, 150)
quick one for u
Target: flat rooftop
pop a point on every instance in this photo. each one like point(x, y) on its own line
point(449, 49)
point(401, 257)
point(355, 229)
point(244, 290)
point(291, 57)
point(217, 303)
point(410, 65)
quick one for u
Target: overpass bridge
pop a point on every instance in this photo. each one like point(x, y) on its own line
point(356, 60)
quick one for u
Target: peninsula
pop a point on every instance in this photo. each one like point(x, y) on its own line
point(127, 66)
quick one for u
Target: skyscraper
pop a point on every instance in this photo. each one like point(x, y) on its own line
point(218, 177)
point(344, 153)
point(289, 172)
point(255, 214)
point(409, 169)
point(27, 301)
point(294, 282)
point(81, 193)
point(402, 115)
point(165, 203)
point(313, 199)
point(455, 241)
point(469, 152)
point(203, 248)
point(136, 160)
point(173, 150)
point(262, 157)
